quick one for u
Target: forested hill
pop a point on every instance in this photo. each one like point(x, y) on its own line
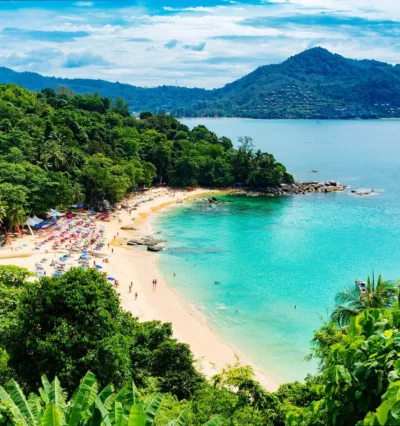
point(312, 84)
point(58, 149)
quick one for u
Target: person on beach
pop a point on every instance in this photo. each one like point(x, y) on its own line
point(130, 287)
point(112, 250)
point(136, 295)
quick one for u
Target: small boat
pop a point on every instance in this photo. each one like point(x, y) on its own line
point(361, 285)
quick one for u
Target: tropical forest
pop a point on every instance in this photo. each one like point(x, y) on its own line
point(71, 355)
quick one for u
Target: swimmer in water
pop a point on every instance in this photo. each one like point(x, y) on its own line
point(295, 307)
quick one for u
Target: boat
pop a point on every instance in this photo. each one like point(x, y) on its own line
point(361, 285)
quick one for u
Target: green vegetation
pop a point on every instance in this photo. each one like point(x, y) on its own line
point(64, 327)
point(87, 406)
point(312, 84)
point(353, 301)
point(60, 149)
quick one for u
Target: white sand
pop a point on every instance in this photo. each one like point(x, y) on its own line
point(140, 267)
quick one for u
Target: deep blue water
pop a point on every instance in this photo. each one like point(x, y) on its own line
point(273, 253)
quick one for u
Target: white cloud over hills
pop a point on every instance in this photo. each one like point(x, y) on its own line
point(197, 43)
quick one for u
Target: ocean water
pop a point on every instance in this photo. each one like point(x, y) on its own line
point(270, 254)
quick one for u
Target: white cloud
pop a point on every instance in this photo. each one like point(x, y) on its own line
point(205, 53)
point(83, 4)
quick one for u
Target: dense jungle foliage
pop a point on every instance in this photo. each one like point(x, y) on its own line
point(60, 149)
point(69, 355)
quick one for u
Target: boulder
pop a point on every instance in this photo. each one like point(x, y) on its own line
point(135, 243)
point(155, 248)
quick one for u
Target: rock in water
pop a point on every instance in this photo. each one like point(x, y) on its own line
point(155, 248)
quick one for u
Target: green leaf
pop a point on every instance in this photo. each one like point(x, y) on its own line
point(102, 410)
point(115, 415)
point(20, 401)
point(215, 421)
point(395, 410)
point(35, 405)
point(382, 412)
point(128, 395)
point(51, 416)
point(16, 412)
point(152, 409)
point(46, 384)
point(137, 416)
point(369, 419)
point(181, 420)
point(106, 392)
point(109, 402)
point(57, 396)
point(80, 399)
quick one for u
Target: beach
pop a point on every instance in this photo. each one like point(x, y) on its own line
point(139, 267)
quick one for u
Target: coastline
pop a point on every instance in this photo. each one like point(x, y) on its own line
point(162, 303)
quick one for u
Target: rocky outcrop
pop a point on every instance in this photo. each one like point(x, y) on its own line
point(145, 241)
point(306, 188)
point(362, 192)
point(213, 200)
point(297, 188)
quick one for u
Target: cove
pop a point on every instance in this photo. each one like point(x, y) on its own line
point(270, 254)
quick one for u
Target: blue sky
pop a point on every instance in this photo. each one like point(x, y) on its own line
point(197, 43)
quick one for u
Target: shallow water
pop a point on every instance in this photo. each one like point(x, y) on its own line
point(270, 254)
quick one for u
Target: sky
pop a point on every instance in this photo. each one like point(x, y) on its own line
point(193, 43)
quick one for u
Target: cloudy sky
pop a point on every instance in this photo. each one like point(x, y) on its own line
point(196, 43)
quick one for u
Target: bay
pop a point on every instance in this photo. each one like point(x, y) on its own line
point(271, 254)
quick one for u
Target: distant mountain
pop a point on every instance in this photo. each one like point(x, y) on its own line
point(313, 84)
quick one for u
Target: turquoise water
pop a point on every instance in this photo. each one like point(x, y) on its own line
point(273, 253)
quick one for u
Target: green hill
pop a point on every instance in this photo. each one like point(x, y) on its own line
point(312, 84)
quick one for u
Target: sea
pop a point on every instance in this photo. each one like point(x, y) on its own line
point(264, 271)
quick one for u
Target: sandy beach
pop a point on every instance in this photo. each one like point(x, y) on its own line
point(139, 266)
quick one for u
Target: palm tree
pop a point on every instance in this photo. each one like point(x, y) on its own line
point(87, 406)
point(351, 302)
point(16, 217)
point(79, 196)
point(3, 210)
point(54, 151)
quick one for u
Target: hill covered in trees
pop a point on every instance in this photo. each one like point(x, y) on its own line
point(59, 149)
point(312, 84)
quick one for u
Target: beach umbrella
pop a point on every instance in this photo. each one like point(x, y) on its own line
point(99, 267)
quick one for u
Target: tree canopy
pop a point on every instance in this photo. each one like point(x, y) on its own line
point(57, 149)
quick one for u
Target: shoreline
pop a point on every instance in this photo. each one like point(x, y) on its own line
point(164, 303)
